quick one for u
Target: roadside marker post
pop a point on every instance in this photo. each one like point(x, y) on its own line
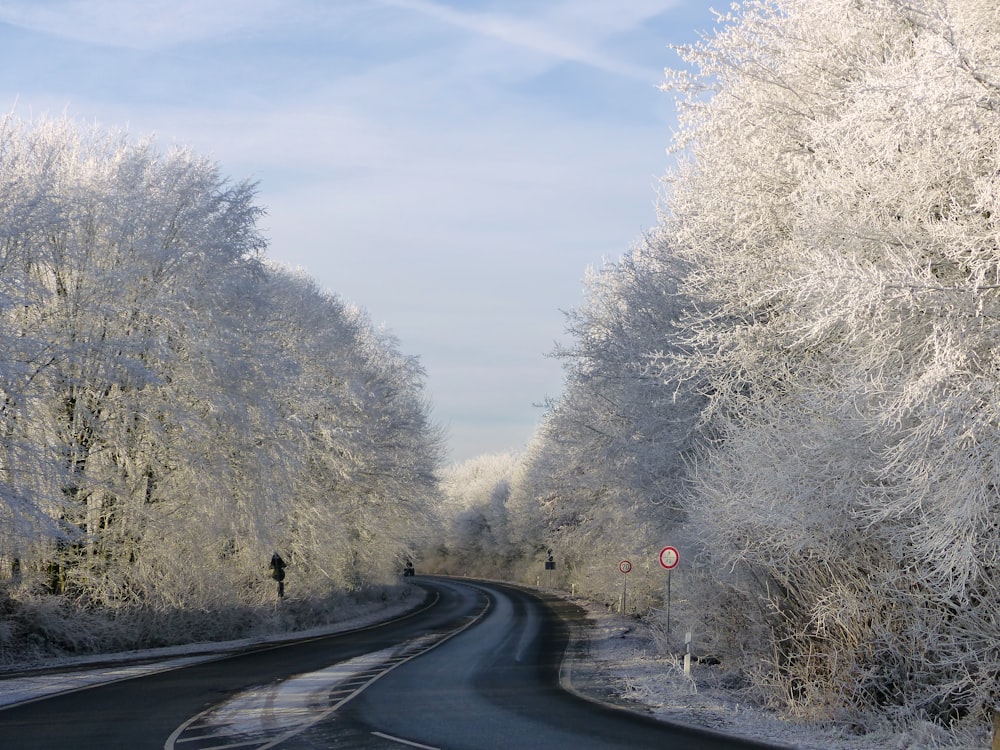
point(278, 573)
point(687, 653)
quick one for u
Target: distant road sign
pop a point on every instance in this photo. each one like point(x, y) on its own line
point(669, 557)
point(624, 566)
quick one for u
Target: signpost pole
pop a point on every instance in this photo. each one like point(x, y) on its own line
point(624, 566)
point(669, 557)
point(668, 601)
point(624, 590)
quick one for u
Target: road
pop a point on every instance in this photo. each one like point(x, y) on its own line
point(477, 667)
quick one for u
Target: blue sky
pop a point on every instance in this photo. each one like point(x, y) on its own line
point(452, 167)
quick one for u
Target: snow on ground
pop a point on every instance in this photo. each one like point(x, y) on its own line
point(290, 704)
point(19, 683)
point(28, 688)
point(621, 662)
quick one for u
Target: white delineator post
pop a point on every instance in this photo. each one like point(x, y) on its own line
point(687, 653)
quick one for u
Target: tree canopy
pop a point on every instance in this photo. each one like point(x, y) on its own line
point(173, 407)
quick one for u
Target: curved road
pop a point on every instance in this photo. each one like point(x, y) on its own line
point(477, 667)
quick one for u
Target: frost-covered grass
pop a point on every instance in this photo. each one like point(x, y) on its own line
point(50, 631)
point(635, 663)
point(57, 674)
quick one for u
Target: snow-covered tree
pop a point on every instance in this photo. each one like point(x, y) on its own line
point(476, 534)
point(114, 242)
point(350, 451)
point(837, 208)
point(172, 410)
point(605, 476)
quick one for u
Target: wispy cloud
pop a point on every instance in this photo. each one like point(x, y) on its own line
point(528, 35)
point(151, 24)
point(431, 160)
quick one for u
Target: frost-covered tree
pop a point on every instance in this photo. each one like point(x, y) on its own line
point(837, 207)
point(635, 415)
point(352, 442)
point(605, 476)
point(476, 538)
point(172, 410)
point(115, 245)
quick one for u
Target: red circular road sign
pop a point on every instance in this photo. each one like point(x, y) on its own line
point(624, 566)
point(669, 557)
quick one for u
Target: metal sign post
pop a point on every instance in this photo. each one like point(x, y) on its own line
point(668, 601)
point(669, 557)
point(625, 567)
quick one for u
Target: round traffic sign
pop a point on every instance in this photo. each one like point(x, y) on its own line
point(624, 566)
point(669, 557)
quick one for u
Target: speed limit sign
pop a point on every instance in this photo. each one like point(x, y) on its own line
point(669, 557)
point(625, 566)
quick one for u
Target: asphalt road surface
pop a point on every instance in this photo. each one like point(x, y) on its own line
point(476, 667)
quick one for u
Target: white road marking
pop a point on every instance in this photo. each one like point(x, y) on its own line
point(266, 716)
point(401, 741)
